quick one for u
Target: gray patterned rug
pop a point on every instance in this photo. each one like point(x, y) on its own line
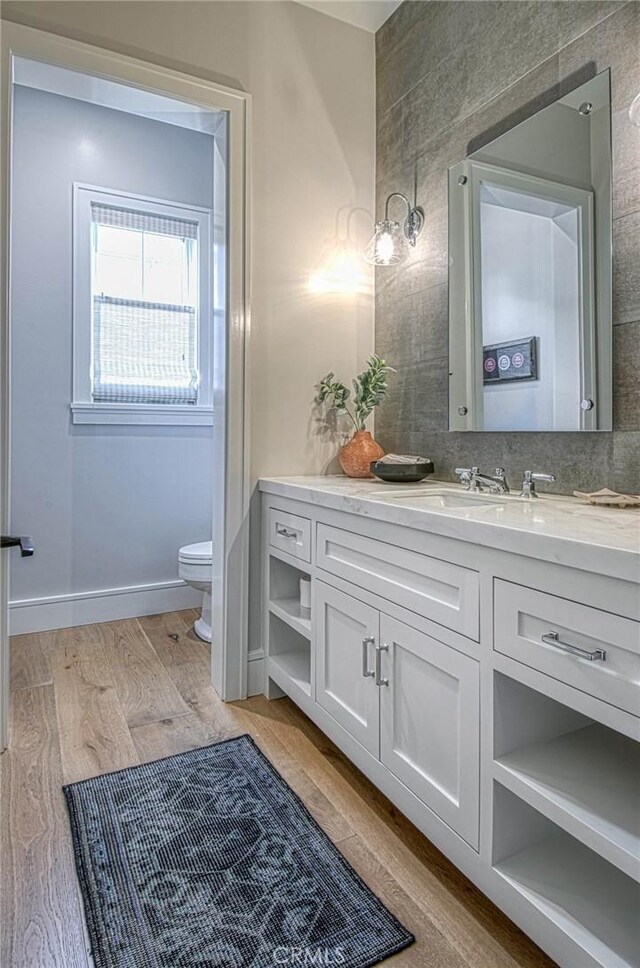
point(209, 860)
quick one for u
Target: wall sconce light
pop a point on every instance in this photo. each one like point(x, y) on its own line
point(389, 244)
point(634, 110)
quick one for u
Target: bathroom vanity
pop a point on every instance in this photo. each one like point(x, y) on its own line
point(477, 656)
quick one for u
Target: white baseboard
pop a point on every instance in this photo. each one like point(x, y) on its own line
point(102, 605)
point(255, 673)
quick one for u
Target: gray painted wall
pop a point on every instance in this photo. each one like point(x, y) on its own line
point(107, 506)
point(452, 76)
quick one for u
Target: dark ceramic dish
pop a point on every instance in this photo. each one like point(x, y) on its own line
point(402, 473)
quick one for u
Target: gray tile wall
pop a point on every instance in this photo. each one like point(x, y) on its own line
point(451, 76)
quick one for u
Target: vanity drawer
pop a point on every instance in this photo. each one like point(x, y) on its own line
point(445, 593)
point(290, 533)
point(523, 616)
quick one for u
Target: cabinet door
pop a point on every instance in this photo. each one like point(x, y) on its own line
point(429, 724)
point(346, 633)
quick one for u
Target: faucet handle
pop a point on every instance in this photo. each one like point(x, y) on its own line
point(530, 476)
point(500, 475)
point(466, 474)
point(528, 482)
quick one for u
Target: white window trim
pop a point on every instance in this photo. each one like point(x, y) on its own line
point(83, 408)
point(141, 413)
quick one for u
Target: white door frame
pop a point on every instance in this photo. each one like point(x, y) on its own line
point(231, 507)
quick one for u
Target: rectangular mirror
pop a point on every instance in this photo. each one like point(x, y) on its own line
point(530, 272)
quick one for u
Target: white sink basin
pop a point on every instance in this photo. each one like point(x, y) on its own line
point(443, 498)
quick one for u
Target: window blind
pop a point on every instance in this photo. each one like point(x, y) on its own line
point(143, 352)
point(125, 218)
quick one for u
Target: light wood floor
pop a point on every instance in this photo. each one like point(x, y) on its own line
point(101, 697)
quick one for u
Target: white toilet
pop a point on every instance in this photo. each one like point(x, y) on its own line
point(194, 567)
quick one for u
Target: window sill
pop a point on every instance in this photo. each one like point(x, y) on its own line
point(140, 414)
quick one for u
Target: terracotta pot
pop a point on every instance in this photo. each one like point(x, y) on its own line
point(356, 456)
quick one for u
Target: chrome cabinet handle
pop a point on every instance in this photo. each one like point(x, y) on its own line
point(285, 532)
point(380, 648)
point(366, 671)
point(552, 638)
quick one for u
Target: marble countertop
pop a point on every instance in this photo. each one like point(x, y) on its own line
point(551, 528)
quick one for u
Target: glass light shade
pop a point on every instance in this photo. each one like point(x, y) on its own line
point(387, 246)
point(634, 110)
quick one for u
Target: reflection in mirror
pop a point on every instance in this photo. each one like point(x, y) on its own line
point(530, 273)
point(536, 277)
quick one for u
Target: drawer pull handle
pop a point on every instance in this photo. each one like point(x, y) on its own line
point(552, 638)
point(286, 532)
point(366, 671)
point(380, 648)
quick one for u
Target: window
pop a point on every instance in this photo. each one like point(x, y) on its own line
point(141, 311)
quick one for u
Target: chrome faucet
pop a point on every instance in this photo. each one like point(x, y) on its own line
point(529, 483)
point(473, 480)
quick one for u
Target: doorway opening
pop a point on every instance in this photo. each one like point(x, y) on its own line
point(124, 416)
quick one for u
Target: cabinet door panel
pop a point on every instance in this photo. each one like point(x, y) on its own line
point(429, 724)
point(342, 623)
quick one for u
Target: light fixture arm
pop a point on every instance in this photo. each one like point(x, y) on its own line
point(389, 244)
point(414, 221)
point(396, 195)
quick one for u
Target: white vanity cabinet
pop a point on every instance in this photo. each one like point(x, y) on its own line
point(482, 668)
point(409, 700)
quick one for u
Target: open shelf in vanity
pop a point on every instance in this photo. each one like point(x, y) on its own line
point(581, 774)
point(289, 657)
point(585, 896)
point(289, 610)
point(566, 819)
point(288, 627)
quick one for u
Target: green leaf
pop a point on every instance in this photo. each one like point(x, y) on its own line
point(369, 389)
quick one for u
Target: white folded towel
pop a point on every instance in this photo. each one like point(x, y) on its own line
point(402, 459)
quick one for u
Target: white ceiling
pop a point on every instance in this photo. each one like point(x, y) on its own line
point(368, 14)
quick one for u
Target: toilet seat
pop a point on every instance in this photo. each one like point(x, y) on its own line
point(201, 552)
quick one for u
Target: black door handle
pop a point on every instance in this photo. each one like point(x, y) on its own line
point(10, 541)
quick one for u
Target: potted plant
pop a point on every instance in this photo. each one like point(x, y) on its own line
point(369, 389)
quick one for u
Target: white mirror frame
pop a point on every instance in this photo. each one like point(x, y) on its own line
point(465, 337)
